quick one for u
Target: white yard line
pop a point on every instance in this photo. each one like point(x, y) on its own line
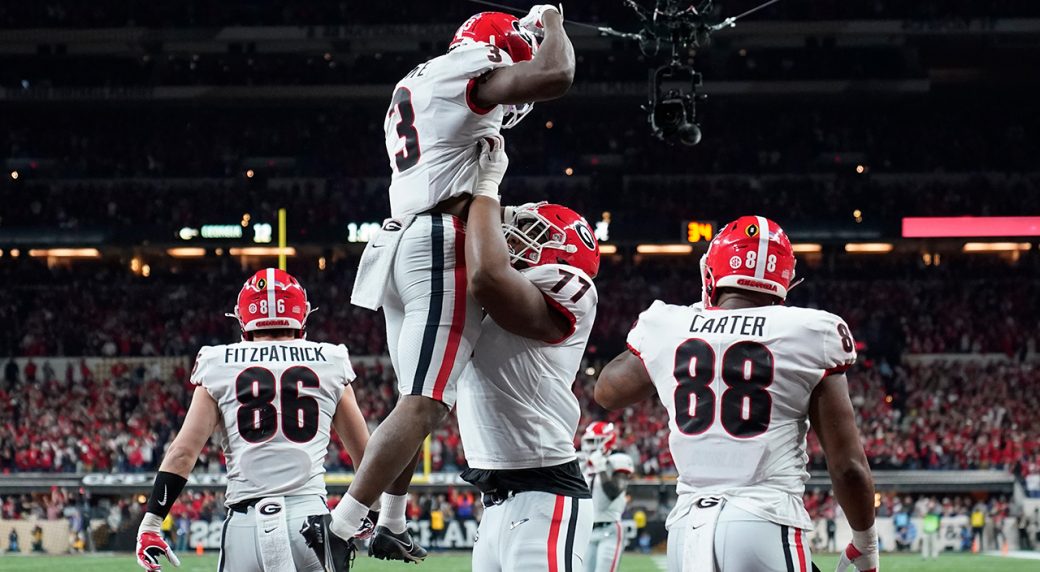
point(661, 562)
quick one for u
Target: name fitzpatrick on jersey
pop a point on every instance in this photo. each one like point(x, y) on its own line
point(744, 325)
point(272, 353)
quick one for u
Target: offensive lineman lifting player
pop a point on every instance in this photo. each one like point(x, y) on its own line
point(517, 412)
point(415, 267)
point(740, 375)
point(276, 395)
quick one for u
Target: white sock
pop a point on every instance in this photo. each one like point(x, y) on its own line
point(347, 517)
point(392, 514)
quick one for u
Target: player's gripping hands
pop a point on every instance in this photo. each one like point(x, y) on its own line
point(534, 20)
point(862, 552)
point(150, 544)
point(492, 163)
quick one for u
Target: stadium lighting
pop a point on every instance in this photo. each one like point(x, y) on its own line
point(186, 252)
point(14, 175)
point(607, 249)
point(664, 249)
point(997, 246)
point(64, 253)
point(263, 251)
point(807, 247)
point(869, 247)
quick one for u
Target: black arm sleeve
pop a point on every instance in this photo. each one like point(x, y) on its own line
point(167, 488)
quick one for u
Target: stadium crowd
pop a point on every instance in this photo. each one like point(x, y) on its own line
point(642, 208)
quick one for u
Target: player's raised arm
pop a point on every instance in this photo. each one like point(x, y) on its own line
point(546, 76)
point(832, 417)
point(512, 301)
point(199, 424)
point(622, 382)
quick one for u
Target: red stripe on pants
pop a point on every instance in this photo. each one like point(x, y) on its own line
point(617, 550)
point(554, 533)
point(458, 315)
point(799, 548)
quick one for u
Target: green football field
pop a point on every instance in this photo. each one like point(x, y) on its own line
point(461, 563)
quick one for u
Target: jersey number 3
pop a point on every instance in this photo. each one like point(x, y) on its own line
point(258, 416)
point(409, 156)
point(747, 370)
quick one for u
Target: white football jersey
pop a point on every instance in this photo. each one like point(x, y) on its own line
point(736, 384)
point(516, 409)
point(606, 509)
point(432, 128)
point(277, 400)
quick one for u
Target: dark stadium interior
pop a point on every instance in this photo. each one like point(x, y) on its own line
point(126, 124)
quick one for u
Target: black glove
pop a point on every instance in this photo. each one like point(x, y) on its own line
point(334, 553)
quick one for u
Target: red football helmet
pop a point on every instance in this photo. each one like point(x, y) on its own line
point(599, 436)
point(504, 31)
point(498, 29)
point(272, 299)
point(544, 233)
point(750, 253)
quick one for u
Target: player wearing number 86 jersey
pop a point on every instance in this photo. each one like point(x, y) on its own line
point(277, 397)
point(741, 376)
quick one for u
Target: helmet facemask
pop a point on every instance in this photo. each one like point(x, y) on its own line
point(528, 233)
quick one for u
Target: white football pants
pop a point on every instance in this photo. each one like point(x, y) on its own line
point(534, 532)
point(746, 543)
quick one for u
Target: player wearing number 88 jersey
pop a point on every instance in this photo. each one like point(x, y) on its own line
point(277, 397)
point(741, 376)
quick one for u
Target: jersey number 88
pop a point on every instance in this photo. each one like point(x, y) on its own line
point(747, 370)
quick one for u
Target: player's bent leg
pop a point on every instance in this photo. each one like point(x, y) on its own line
point(239, 551)
point(676, 542)
point(545, 532)
point(747, 543)
point(441, 321)
point(393, 445)
point(487, 548)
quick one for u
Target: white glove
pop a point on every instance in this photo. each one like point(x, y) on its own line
point(532, 22)
point(151, 546)
point(862, 552)
point(492, 165)
point(598, 461)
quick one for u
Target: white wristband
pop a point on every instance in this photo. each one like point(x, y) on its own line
point(150, 523)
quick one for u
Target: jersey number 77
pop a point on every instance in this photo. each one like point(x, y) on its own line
point(747, 370)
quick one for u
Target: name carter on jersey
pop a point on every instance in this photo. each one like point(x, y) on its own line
point(272, 353)
point(748, 325)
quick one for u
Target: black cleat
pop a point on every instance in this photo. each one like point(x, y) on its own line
point(334, 553)
point(386, 545)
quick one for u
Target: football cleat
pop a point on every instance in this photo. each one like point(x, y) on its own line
point(387, 545)
point(334, 553)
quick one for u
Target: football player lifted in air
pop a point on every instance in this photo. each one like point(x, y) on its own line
point(608, 473)
point(277, 396)
point(742, 376)
point(517, 414)
point(415, 267)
